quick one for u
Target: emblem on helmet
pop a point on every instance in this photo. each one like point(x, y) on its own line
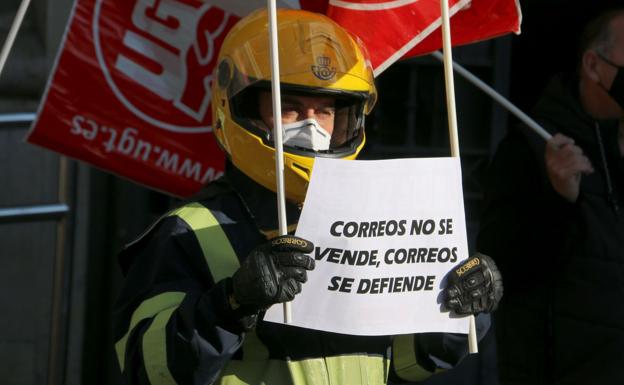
point(322, 70)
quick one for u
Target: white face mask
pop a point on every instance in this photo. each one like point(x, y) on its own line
point(307, 134)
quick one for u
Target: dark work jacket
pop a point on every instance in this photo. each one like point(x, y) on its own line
point(561, 320)
point(174, 325)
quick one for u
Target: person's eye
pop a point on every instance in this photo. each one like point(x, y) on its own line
point(328, 111)
point(289, 111)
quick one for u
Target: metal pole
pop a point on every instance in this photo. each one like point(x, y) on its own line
point(25, 117)
point(33, 213)
point(58, 329)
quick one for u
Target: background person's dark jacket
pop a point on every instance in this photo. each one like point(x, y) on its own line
point(562, 318)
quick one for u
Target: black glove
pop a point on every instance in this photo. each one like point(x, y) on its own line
point(272, 273)
point(474, 286)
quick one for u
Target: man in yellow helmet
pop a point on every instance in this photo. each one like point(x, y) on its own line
point(199, 280)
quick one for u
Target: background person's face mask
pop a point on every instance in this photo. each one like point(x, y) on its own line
point(307, 134)
point(617, 88)
point(616, 91)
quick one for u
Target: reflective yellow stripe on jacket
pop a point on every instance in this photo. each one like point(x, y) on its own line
point(147, 310)
point(212, 241)
point(404, 359)
point(338, 370)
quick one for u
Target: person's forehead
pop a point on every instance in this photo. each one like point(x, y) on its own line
point(305, 100)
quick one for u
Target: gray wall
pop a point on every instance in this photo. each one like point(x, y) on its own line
point(33, 251)
point(58, 275)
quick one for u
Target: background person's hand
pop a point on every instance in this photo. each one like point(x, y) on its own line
point(273, 272)
point(474, 286)
point(565, 164)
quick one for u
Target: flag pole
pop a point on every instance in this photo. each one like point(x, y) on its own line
point(500, 99)
point(17, 23)
point(277, 131)
point(453, 134)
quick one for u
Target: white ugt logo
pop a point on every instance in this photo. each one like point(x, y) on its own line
point(176, 25)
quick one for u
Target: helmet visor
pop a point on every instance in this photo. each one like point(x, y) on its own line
point(340, 114)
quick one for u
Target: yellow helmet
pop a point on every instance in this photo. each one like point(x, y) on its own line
point(317, 58)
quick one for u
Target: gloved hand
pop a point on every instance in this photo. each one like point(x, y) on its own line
point(474, 286)
point(272, 273)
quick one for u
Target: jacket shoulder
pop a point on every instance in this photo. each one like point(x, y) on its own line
point(217, 219)
point(177, 225)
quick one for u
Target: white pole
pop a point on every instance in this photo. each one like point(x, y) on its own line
point(526, 119)
point(449, 80)
point(452, 118)
point(17, 23)
point(277, 131)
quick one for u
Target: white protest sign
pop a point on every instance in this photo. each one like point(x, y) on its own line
point(386, 233)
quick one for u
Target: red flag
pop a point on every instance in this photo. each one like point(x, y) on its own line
point(319, 6)
point(131, 91)
point(481, 21)
point(393, 29)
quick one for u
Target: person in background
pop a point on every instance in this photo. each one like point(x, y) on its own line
point(553, 221)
